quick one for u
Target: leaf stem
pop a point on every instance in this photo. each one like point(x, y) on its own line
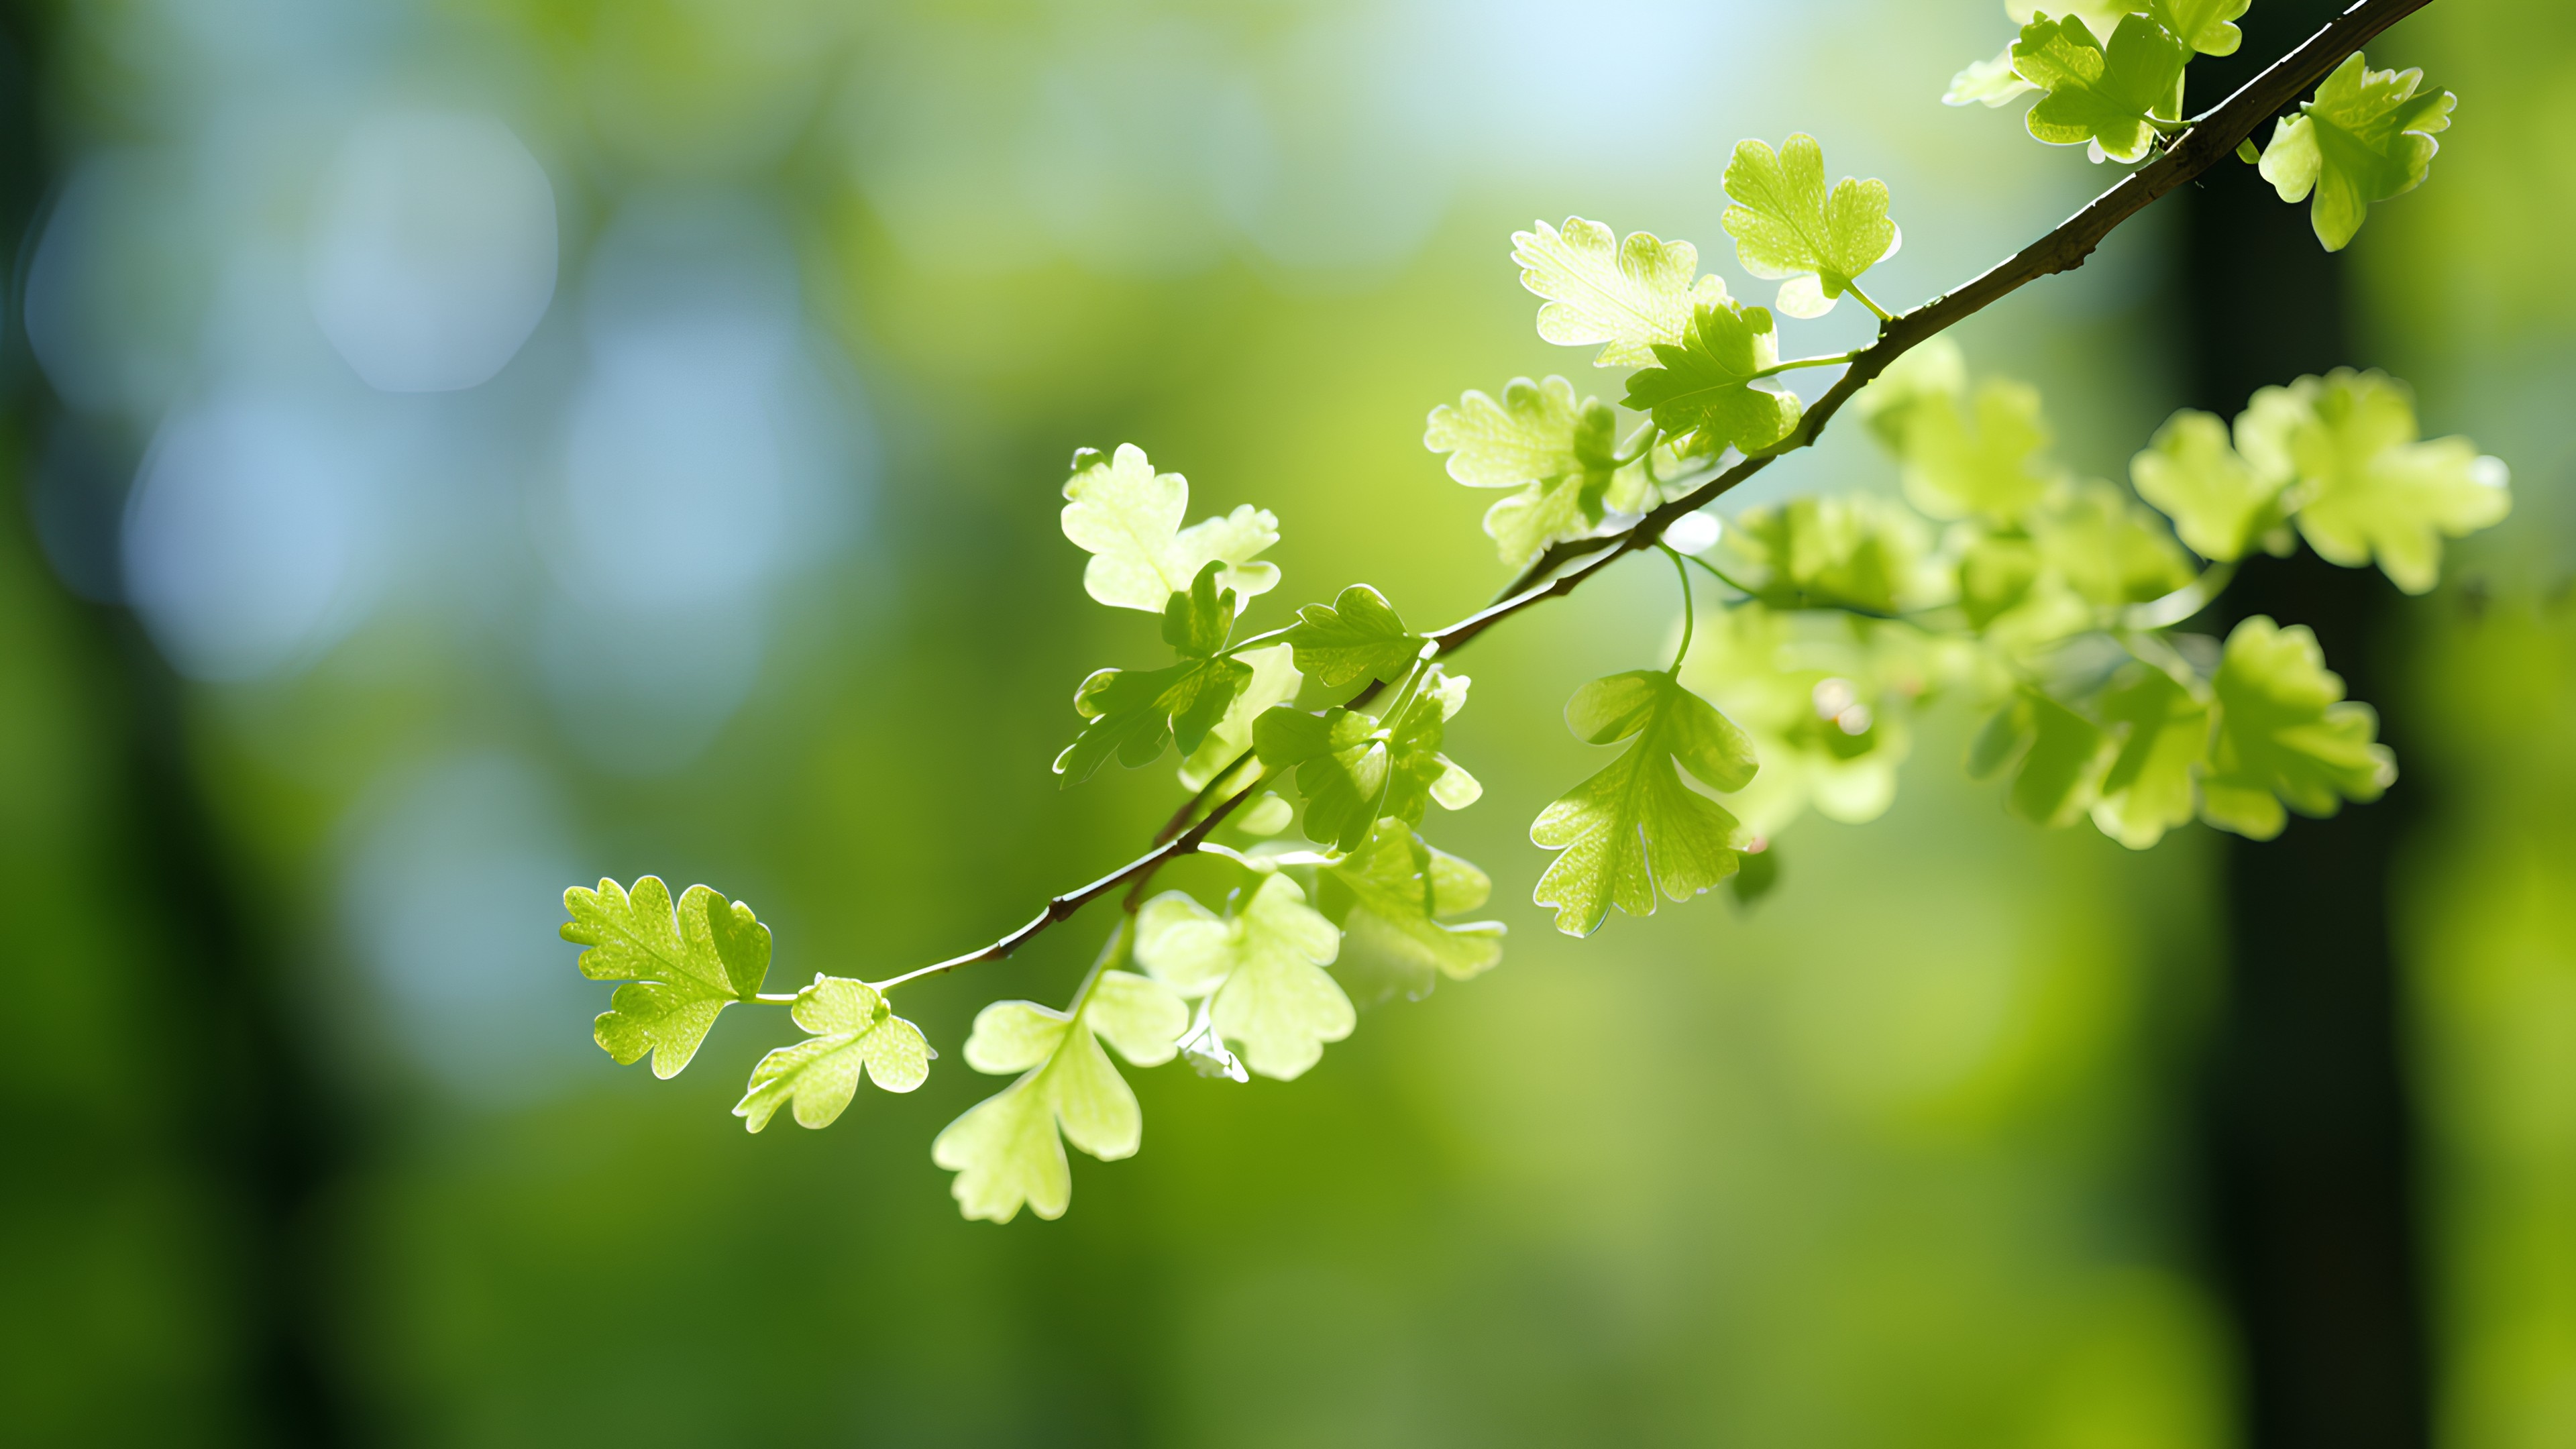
point(1836, 360)
point(1690, 613)
point(1862, 298)
point(2184, 602)
point(1720, 575)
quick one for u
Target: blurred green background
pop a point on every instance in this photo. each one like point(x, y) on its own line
point(727, 550)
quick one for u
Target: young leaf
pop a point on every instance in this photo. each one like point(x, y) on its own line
point(2204, 25)
point(2163, 729)
point(1197, 622)
point(1005, 1149)
point(2367, 487)
point(1134, 713)
point(1789, 229)
point(1536, 432)
point(2366, 137)
point(2110, 97)
point(1523, 525)
point(1128, 517)
point(1990, 83)
point(2057, 757)
point(1389, 896)
point(1357, 769)
point(2217, 502)
point(2286, 735)
point(1264, 967)
point(1357, 636)
point(854, 1033)
point(1627, 295)
point(1635, 826)
point(2102, 17)
point(681, 966)
point(1990, 467)
point(1703, 387)
point(1275, 680)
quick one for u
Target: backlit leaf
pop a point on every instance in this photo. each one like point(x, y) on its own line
point(1626, 295)
point(2286, 735)
point(1703, 388)
point(2108, 96)
point(682, 965)
point(1263, 968)
point(2367, 136)
point(1788, 228)
point(1390, 896)
point(2367, 488)
point(854, 1034)
point(1357, 636)
point(2217, 502)
point(1128, 517)
point(1636, 827)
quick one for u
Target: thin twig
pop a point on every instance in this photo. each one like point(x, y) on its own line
point(2211, 138)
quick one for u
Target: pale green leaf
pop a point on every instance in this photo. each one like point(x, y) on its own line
point(2102, 17)
point(2106, 96)
point(2286, 735)
point(1989, 83)
point(1128, 517)
point(2163, 729)
point(1356, 769)
point(1537, 431)
point(2367, 136)
point(2219, 504)
point(1703, 389)
point(1856, 551)
point(1134, 713)
point(1788, 228)
point(1006, 1150)
point(1933, 372)
point(1262, 964)
point(1986, 461)
point(2367, 487)
point(1358, 635)
point(1626, 295)
point(1824, 700)
point(1636, 827)
point(682, 965)
point(853, 1034)
point(2207, 26)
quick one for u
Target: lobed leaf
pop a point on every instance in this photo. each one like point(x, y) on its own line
point(1635, 828)
point(1537, 431)
point(2286, 735)
point(2219, 504)
point(2366, 488)
point(683, 965)
point(2107, 96)
point(1626, 295)
point(1262, 967)
point(1128, 517)
point(1390, 895)
point(2367, 136)
point(1357, 636)
point(853, 1034)
point(1008, 1150)
point(1703, 388)
point(1356, 769)
point(1788, 228)
point(1986, 461)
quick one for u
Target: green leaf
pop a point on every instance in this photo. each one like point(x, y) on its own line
point(2204, 25)
point(1627, 295)
point(2107, 97)
point(1006, 1150)
point(1934, 373)
point(681, 966)
point(1275, 680)
point(1703, 388)
point(2286, 736)
point(2107, 548)
point(1134, 713)
point(2367, 488)
point(1855, 552)
point(1984, 462)
point(2218, 503)
point(2102, 17)
point(1788, 228)
point(1128, 517)
point(2163, 732)
point(1636, 826)
point(1824, 700)
point(1356, 769)
point(2367, 136)
point(1389, 896)
point(1989, 83)
point(1263, 968)
point(1197, 623)
point(854, 1033)
point(1525, 524)
point(2057, 757)
point(1357, 636)
point(1536, 432)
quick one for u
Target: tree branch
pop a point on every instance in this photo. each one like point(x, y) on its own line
point(2211, 138)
